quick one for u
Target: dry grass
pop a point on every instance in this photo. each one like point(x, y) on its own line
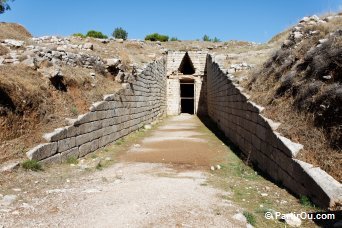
point(292, 88)
point(13, 31)
point(280, 37)
point(3, 50)
point(30, 106)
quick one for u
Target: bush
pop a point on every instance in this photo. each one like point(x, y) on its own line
point(174, 39)
point(157, 37)
point(120, 33)
point(31, 165)
point(96, 34)
point(79, 35)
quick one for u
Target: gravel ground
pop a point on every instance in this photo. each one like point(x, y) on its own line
point(132, 193)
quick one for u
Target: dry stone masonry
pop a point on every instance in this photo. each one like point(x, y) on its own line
point(140, 102)
point(176, 77)
point(255, 135)
point(157, 90)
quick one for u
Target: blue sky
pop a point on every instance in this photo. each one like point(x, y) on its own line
point(251, 20)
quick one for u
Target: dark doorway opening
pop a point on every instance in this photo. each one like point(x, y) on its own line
point(186, 67)
point(187, 91)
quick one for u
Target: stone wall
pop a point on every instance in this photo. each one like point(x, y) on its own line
point(174, 59)
point(139, 102)
point(173, 97)
point(255, 135)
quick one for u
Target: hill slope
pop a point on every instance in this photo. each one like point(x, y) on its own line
point(300, 85)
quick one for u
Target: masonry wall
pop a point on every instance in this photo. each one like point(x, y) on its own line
point(255, 135)
point(173, 97)
point(174, 59)
point(140, 102)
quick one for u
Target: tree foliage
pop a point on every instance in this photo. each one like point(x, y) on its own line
point(4, 6)
point(79, 35)
point(120, 33)
point(96, 34)
point(207, 38)
point(174, 39)
point(157, 37)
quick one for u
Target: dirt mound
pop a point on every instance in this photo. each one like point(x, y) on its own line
point(13, 31)
point(300, 85)
point(30, 104)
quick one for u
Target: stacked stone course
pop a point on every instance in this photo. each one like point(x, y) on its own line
point(255, 135)
point(138, 103)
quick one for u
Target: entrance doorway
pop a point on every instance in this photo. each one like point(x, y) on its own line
point(187, 92)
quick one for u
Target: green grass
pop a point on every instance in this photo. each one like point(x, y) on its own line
point(305, 201)
point(245, 187)
point(72, 160)
point(32, 165)
point(74, 110)
point(99, 166)
point(250, 218)
point(119, 141)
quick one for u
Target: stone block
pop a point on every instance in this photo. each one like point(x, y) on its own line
point(270, 123)
point(109, 97)
point(72, 153)
point(42, 151)
point(89, 127)
point(98, 106)
point(85, 118)
point(329, 192)
point(72, 131)
point(55, 159)
point(66, 144)
point(57, 134)
point(290, 148)
point(261, 132)
point(81, 139)
point(256, 142)
point(88, 147)
point(255, 108)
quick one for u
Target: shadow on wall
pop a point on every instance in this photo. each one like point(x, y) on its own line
point(212, 126)
point(202, 109)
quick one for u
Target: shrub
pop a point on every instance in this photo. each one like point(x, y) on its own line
point(157, 37)
point(79, 35)
point(120, 33)
point(174, 39)
point(96, 34)
point(31, 165)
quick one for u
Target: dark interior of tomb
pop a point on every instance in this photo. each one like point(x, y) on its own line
point(186, 67)
point(187, 96)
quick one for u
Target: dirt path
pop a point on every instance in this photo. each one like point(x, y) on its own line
point(161, 181)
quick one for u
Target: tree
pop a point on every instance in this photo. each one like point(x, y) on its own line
point(4, 6)
point(120, 33)
point(157, 37)
point(174, 39)
point(96, 34)
point(206, 38)
point(215, 40)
